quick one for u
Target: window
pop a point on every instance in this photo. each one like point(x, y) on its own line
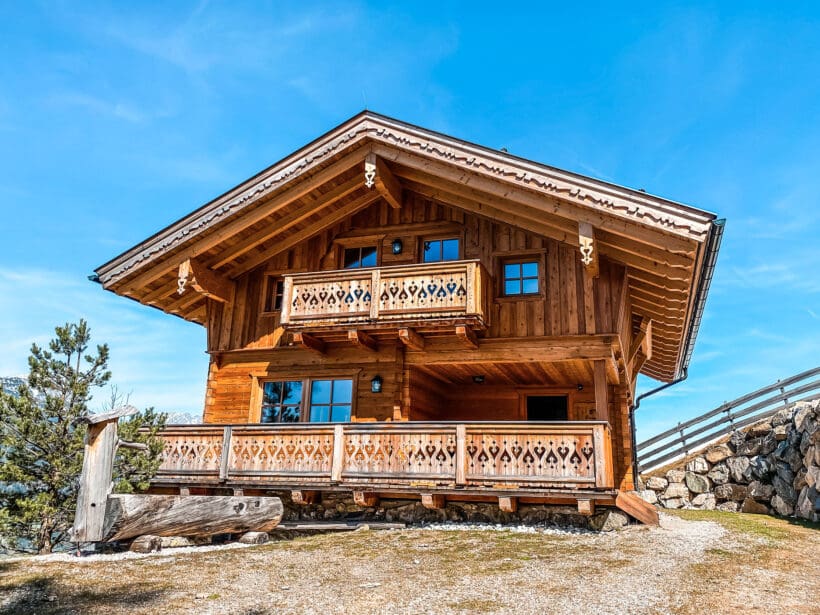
point(356, 258)
point(281, 401)
point(331, 401)
point(273, 294)
point(521, 278)
point(286, 401)
point(442, 250)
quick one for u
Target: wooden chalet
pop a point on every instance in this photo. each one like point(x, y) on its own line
point(394, 312)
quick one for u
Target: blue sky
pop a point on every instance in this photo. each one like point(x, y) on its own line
point(116, 120)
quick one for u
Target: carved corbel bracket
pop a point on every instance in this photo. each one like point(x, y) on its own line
point(205, 281)
point(589, 248)
point(377, 174)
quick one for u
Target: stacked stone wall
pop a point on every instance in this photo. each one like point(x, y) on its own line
point(772, 467)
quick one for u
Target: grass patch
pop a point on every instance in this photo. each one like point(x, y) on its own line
point(474, 605)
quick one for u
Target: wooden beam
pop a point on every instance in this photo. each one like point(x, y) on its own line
point(205, 281)
point(411, 339)
point(601, 402)
point(508, 504)
point(378, 175)
point(298, 237)
point(586, 507)
point(279, 226)
point(545, 349)
point(304, 497)
point(633, 505)
point(589, 248)
point(639, 342)
point(366, 499)
point(467, 335)
point(433, 501)
point(243, 221)
point(362, 340)
point(310, 342)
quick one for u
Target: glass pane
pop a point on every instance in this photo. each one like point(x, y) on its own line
point(290, 414)
point(530, 270)
point(319, 414)
point(320, 392)
point(277, 297)
point(292, 392)
point(432, 251)
point(449, 250)
point(531, 286)
point(512, 287)
point(340, 414)
point(342, 391)
point(272, 393)
point(512, 270)
point(368, 257)
point(268, 414)
point(352, 259)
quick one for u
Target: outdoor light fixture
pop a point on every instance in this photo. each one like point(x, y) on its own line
point(580, 387)
point(478, 379)
point(376, 384)
point(397, 246)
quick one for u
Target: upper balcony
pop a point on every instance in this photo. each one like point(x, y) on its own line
point(428, 297)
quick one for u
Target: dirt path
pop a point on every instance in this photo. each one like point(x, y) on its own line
point(707, 563)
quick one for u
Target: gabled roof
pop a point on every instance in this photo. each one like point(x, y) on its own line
point(667, 247)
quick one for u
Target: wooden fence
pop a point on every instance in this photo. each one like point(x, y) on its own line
point(693, 434)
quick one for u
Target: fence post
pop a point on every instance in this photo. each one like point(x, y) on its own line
point(461, 454)
point(226, 453)
point(338, 452)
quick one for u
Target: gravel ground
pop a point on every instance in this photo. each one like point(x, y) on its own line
point(680, 567)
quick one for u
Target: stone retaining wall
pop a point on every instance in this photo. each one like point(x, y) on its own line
point(772, 467)
point(341, 507)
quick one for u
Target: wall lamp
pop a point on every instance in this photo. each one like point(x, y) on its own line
point(376, 384)
point(397, 246)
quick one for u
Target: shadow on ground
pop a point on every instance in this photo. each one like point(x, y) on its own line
point(42, 595)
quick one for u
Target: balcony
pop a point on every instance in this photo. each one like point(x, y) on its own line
point(428, 296)
point(524, 458)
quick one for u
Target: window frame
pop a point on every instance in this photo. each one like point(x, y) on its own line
point(306, 378)
point(277, 281)
point(443, 237)
point(516, 257)
point(375, 246)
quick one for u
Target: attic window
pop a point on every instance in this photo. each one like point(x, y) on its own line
point(273, 294)
point(521, 278)
point(356, 258)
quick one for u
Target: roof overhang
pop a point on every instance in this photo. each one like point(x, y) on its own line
point(668, 248)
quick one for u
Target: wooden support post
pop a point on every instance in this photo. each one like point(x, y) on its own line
point(461, 454)
point(589, 248)
point(366, 499)
point(508, 504)
point(95, 480)
point(586, 507)
point(601, 402)
point(642, 340)
point(205, 281)
point(338, 453)
point(433, 501)
point(226, 453)
point(184, 491)
point(362, 340)
point(411, 339)
point(305, 340)
point(378, 174)
point(304, 497)
point(467, 335)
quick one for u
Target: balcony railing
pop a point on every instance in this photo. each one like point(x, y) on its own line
point(455, 290)
point(472, 456)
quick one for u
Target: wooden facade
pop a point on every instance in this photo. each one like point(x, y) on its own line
point(491, 293)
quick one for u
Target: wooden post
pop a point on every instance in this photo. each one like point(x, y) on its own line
point(461, 454)
point(226, 453)
point(507, 504)
point(433, 501)
point(95, 480)
point(601, 402)
point(338, 453)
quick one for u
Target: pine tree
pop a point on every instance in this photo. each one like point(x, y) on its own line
point(41, 440)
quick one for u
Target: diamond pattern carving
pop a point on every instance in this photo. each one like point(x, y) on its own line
point(446, 291)
point(310, 452)
point(417, 454)
point(331, 298)
point(191, 454)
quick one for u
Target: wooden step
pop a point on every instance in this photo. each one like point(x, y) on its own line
point(635, 506)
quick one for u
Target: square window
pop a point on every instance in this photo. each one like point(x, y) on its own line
point(521, 278)
point(331, 400)
point(281, 401)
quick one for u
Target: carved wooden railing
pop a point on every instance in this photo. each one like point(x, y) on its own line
point(455, 289)
point(477, 456)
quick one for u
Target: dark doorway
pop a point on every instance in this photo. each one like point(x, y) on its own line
point(546, 407)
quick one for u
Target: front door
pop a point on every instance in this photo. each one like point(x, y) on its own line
point(546, 407)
